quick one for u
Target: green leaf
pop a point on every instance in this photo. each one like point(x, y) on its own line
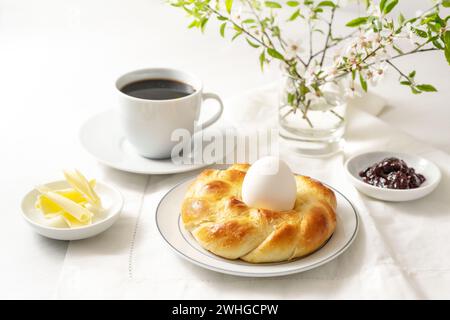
point(275, 54)
point(237, 34)
point(193, 24)
point(401, 19)
point(262, 59)
point(405, 83)
point(382, 5)
point(254, 45)
point(228, 5)
point(447, 54)
point(412, 74)
point(303, 89)
point(428, 19)
point(222, 29)
point(426, 88)
point(363, 82)
point(446, 39)
point(248, 21)
point(420, 33)
point(415, 91)
point(290, 98)
point(389, 6)
point(294, 16)
point(438, 45)
point(446, 3)
point(412, 20)
point(397, 49)
point(203, 23)
point(326, 4)
point(272, 4)
point(293, 3)
point(357, 22)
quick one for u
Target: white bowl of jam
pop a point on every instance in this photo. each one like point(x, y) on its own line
point(392, 176)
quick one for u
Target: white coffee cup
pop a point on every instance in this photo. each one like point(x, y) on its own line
point(148, 124)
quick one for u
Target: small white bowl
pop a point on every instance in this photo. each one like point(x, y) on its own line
point(112, 202)
point(360, 162)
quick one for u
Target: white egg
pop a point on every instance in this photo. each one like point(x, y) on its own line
point(269, 184)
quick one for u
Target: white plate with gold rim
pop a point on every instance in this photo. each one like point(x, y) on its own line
point(103, 138)
point(168, 221)
point(112, 202)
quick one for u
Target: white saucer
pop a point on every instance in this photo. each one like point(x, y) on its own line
point(102, 137)
point(168, 221)
point(112, 202)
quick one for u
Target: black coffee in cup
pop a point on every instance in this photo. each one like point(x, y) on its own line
point(158, 89)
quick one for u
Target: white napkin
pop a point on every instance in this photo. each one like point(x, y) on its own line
point(402, 249)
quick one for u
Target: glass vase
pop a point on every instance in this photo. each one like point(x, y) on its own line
point(316, 129)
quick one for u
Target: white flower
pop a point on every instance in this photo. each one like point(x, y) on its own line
point(290, 86)
point(376, 73)
point(309, 79)
point(293, 48)
point(374, 38)
point(310, 75)
point(237, 15)
point(350, 51)
point(337, 55)
point(371, 76)
point(331, 72)
point(354, 62)
point(380, 69)
point(408, 32)
point(382, 55)
point(407, 39)
point(307, 13)
point(363, 42)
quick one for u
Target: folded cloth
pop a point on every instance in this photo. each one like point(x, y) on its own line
point(402, 249)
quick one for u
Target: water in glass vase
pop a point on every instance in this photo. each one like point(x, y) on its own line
point(319, 132)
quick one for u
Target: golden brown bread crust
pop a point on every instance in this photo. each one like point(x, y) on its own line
point(214, 213)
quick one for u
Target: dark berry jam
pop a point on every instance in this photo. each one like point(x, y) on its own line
point(392, 173)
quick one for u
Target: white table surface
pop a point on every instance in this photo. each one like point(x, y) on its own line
point(58, 63)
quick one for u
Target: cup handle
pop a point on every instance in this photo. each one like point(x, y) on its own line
point(219, 112)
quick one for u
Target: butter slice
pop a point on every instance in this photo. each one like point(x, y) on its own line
point(54, 202)
point(82, 185)
point(72, 222)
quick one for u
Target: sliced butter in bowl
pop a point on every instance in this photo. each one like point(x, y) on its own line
point(72, 209)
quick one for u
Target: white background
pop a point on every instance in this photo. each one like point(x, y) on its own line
point(58, 63)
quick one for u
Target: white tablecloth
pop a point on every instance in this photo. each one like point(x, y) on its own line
point(58, 63)
point(401, 250)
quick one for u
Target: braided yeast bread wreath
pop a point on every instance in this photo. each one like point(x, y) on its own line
point(214, 213)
